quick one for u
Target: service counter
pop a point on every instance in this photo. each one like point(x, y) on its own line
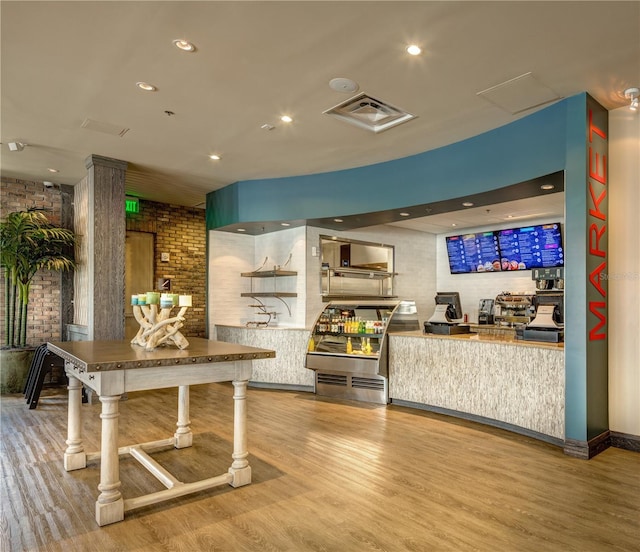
point(492, 378)
point(489, 377)
point(287, 370)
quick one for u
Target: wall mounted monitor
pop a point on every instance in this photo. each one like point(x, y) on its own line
point(473, 253)
point(530, 247)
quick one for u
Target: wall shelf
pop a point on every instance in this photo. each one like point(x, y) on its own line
point(273, 274)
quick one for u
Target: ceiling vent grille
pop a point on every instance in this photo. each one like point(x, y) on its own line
point(369, 113)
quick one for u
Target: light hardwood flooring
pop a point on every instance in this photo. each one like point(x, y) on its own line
point(328, 475)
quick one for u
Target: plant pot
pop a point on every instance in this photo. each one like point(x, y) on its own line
point(14, 368)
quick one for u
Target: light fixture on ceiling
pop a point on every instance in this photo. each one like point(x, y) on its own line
point(16, 146)
point(285, 224)
point(184, 45)
point(286, 119)
point(403, 214)
point(632, 94)
point(241, 230)
point(337, 220)
point(215, 157)
point(414, 50)
point(52, 170)
point(467, 204)
point(547, 187)
point(146, 86)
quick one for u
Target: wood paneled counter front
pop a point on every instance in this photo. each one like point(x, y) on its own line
point(111, 368)
point(519, 385)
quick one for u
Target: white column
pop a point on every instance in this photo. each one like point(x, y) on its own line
point(74, 456)
point(240, 468)
point(110, 505)
point(183, 435)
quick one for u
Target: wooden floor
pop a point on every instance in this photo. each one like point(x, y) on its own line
point(328, 475)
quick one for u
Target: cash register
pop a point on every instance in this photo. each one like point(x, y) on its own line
point(447, 315)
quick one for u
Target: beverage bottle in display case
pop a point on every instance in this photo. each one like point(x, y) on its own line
point(349, 346)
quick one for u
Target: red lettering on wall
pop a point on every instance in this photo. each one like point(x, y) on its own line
point(594, 172)
point(595, 234)
point(596, 202)
point(596, 276)
point(594, 334)
point(597, 245)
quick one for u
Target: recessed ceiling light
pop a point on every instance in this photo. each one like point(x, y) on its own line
point(547, 187)
point(267, 126)
point(405, 214)
point(467, 204)
point(337, 220)
point(215, 157)
point(241, 230)
point(146, 86)
point(284, 224)
point(286, 119)
point(454, 224)
point(414, 50)
point(184, 45)
point(509, 216)
point(53, 170)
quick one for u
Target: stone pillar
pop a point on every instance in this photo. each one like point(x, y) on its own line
point(106, 238)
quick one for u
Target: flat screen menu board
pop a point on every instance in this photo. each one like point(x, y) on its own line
point(538, 246)
point(473, 253)
point(531, 247)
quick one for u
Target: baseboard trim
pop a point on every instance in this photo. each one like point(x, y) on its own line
point(481, 420)
point(625, 441)
point(281, 386)
point(587, 449)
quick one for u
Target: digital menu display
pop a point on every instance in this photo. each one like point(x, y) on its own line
point(538, 246)
point(531, 247)
point(473, 253)
point(457, 255)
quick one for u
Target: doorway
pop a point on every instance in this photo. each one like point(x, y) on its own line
point(138, 273)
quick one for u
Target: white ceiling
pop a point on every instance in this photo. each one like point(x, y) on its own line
point(66, 62)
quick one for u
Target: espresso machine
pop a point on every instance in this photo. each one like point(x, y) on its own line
point(512, 309)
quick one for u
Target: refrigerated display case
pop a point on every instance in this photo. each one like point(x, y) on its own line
point(348, 347)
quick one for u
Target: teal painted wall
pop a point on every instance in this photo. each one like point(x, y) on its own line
point(528, 148)
point(547, 141)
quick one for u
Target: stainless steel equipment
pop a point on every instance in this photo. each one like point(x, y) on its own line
point(485, 311)
point(514, 308)
point(348, 347)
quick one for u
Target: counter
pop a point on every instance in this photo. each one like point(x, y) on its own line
point(287, 370)
point(494, 379)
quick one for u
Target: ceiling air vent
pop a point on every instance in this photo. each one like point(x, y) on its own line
point(367, 112)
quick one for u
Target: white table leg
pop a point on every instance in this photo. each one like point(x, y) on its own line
point(110, 505)
point(183, 435)
point(240, 468)
point(75, 457)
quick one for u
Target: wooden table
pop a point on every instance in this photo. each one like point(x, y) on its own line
point(112, 368)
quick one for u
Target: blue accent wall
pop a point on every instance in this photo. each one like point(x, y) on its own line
point(526, 149)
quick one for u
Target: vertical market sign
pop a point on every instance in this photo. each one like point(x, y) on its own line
point(597, 220)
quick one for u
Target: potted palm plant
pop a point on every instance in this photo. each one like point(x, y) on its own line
point(28, 243)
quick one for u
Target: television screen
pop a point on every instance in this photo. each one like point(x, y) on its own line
point(531, 247)
point(473, 253)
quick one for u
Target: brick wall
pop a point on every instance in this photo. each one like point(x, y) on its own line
point(181, 232)
point(43, 320)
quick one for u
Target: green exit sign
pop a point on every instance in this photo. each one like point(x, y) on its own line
point(131, 205)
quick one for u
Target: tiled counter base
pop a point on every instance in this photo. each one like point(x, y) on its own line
point(512, 384)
